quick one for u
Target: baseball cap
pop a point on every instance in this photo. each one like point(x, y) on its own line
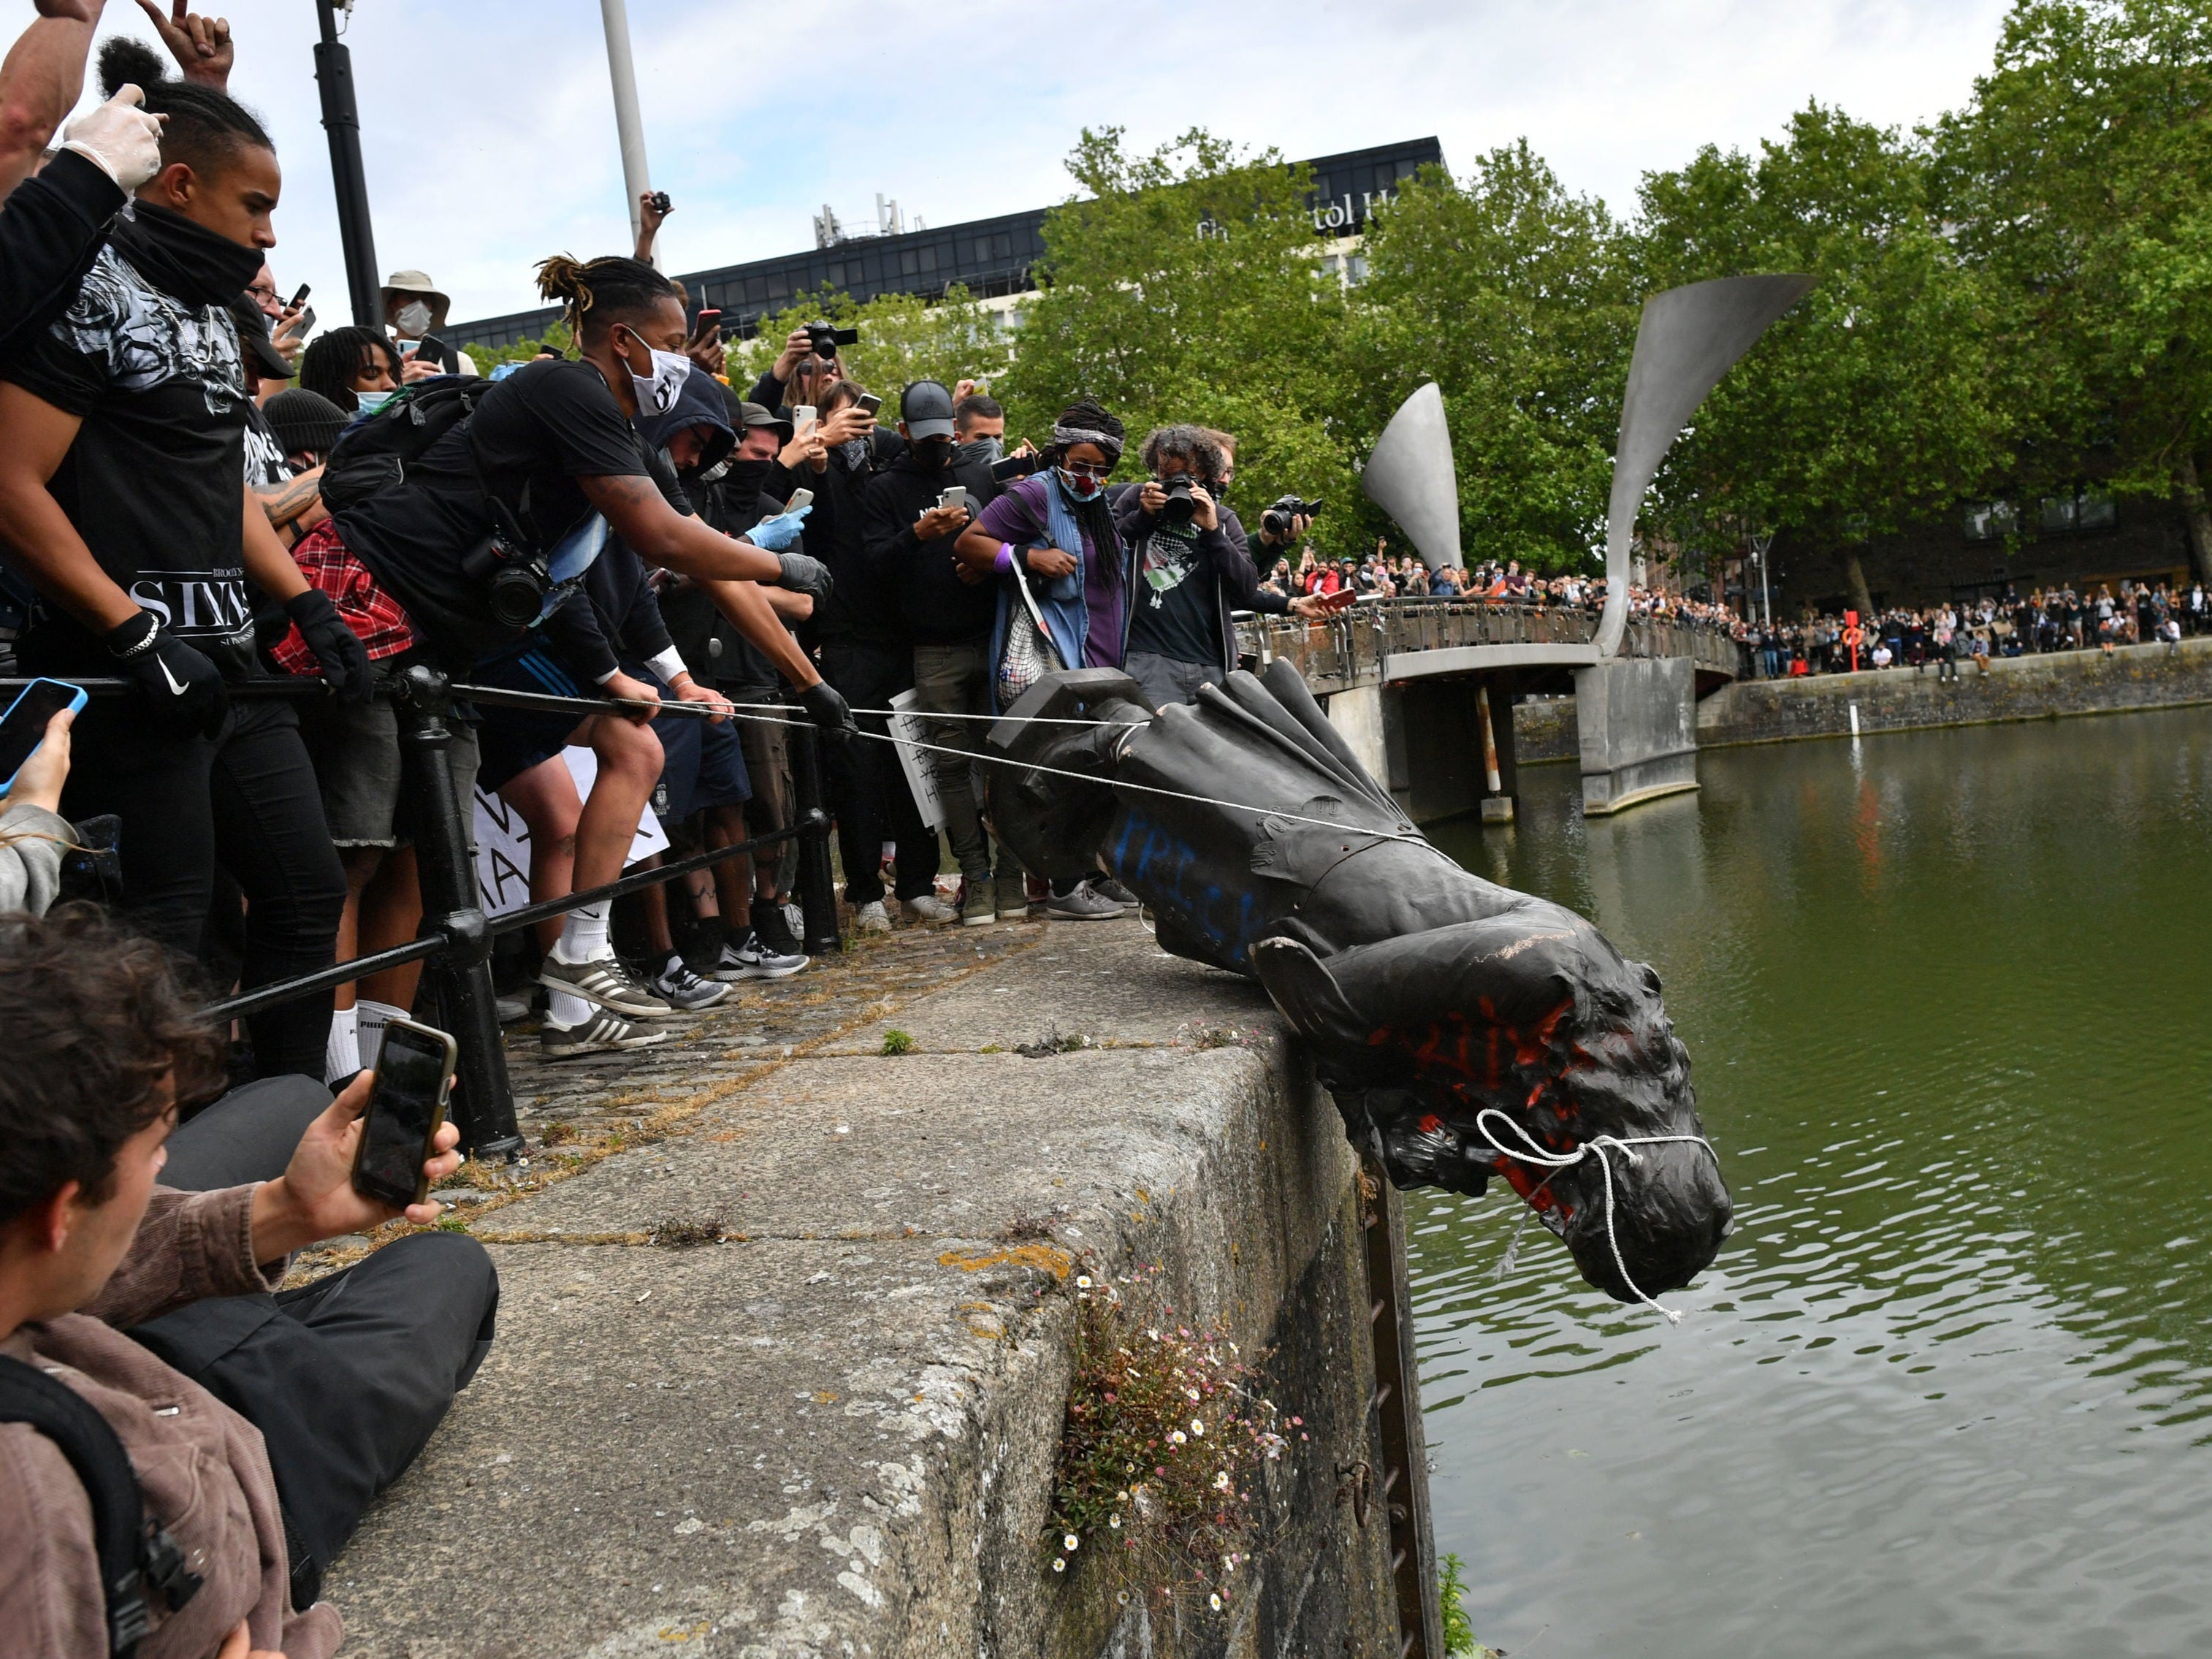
point(750, 414)
point(926, 408)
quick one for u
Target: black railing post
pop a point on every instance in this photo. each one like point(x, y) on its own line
point(460, 975)
point(817, 883)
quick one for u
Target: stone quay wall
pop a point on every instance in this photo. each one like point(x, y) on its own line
point(785, 1331)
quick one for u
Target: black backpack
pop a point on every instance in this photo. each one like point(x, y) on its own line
point(136, 1555)
point(373, 453)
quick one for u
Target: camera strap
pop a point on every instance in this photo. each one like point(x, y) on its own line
point(134, 1553)
point(505, 525)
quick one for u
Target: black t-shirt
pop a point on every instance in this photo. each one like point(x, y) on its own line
point(535, 434)
point(153, 481)
point(1178, 608)
point(265, 466)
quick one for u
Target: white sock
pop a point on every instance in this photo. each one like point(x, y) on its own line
point(368, 1021)
point(342, 1048)
point(584, 935)
point(567, 1008)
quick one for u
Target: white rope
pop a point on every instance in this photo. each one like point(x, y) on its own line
point(1550, 1160)
point(1411, 837)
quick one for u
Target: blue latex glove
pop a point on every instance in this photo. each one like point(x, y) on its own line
point(774, 535)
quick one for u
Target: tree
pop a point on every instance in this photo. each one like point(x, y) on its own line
point(1517, 299)
point(902, 339)
point(1877, 399)
point(2079, 179)
point(1188, 286)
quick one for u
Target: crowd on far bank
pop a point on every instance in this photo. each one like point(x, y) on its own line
point(1940, 637)
point(1384, 576)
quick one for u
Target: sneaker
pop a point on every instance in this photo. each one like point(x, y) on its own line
point(773, 926)
point(1013, 898)
point(870, 919)
point(929, 908)
point(753, 960)
point(605, 980)
point(978, 906)
point(684, 990)
point(1083, 904)
point(1107, 887)
point(511, 1009)
point(600, 1033)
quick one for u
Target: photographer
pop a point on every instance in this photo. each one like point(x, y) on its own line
point(414, 310)
point(123, 501)
point(799, 375)
point(948, 613)
point(1194, 569)
point(258, 1427)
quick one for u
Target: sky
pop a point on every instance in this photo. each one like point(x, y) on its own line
point(488, 125)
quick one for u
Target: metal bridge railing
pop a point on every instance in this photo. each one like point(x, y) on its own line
point(456, 939)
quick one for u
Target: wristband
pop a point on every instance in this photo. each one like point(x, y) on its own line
point(669, 664)
point(1004, 563)
point(139, 648)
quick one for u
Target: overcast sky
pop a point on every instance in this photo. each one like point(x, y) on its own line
point(488, 127)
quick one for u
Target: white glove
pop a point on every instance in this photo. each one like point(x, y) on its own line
point(118, 138)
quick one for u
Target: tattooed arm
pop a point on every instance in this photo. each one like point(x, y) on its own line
point(294, 506)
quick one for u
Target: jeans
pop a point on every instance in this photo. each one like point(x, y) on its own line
point(956, 679)
point(867, 788)
point(346, 1377)
point(246, 800)
point(1164, 680)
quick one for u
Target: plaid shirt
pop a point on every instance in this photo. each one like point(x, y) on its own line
point(371, 612)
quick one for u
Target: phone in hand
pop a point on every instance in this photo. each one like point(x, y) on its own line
point(869, 403)
point(304, 325)
point(955, 497)
point(23, 727)
point(414, 1076)
point(803, 415)
point(799, 498)
point(706, 323)
point(298, 299)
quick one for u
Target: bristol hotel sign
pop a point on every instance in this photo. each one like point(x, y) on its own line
point(1344, 216)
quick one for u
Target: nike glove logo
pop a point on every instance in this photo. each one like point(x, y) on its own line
point(174, 686)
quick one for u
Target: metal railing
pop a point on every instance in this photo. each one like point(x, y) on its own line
point(1350, 648)
point(454, 944)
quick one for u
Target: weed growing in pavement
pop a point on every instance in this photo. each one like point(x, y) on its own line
point(681, 1233)
point(1161, 1450)
point(898, 1042)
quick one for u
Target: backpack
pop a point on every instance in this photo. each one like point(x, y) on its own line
point(136, 1552)
point(372, 454)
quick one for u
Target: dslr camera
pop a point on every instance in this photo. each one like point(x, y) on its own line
point(827, 339)
point(1178, 507)
point(1276, 520)
point(514, 581)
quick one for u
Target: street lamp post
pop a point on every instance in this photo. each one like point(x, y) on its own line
point(629, 128)
point(341, 120)
point(1761, 541)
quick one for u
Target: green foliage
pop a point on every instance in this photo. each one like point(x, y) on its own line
point(903, 340)
point(1187, 285)
point(489, 357)
point(1459, 1629)
point(898, 1042)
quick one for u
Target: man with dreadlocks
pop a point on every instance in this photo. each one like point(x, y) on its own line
point(1055, 532)
point(551, 454)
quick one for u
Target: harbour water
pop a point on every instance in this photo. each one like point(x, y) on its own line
point(1947, 1390)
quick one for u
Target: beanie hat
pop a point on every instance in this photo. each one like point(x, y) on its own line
point(304, 421)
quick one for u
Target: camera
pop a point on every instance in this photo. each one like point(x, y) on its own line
point(1276, 520)
point(514, 583)
point(661, 201)
point(1178, 507)
point(827, 339)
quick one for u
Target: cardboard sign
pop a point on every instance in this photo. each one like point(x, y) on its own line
point(503, 840)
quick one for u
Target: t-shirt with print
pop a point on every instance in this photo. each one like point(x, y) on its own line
point(534, 434)
point(1020, 516)
point(152, 481)
point(265, 466)
point(1178, 612)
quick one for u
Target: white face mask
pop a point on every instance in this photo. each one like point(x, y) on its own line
point(414, 320)
point(656, 393)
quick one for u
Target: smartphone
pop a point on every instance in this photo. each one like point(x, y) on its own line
point(307, 324)
point(1016, 466)
point(414, 1075)
point(803, 415)
point(869, 403)
point(799, 498)
point(298, 299)
point(23, 727)
point(955, 497)
point(707, 319)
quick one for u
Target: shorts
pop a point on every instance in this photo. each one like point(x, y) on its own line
point(704, 766)
point(766, 746)
point(514, 740)
point(354, 747)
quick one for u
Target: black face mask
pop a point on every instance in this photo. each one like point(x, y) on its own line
point(184, 260)
point(934, 454)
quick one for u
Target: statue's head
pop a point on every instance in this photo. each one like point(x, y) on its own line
point(1489, 1047)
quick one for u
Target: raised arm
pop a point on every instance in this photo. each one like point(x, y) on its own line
point(40, 82)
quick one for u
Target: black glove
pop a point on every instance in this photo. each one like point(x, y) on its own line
point(802, 575)
point(831, 716)
point(344, 658)
point(185, 694)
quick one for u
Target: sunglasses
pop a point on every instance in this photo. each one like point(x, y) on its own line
point(1085, 469)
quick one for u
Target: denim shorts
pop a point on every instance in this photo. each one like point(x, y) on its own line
point(354, 747)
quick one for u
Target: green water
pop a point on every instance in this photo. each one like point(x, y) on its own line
point(1947, 1391)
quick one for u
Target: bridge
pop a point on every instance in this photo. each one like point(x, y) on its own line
point(1423, 691)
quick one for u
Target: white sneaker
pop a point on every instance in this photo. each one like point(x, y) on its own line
point(870, 919)
point(929, 908)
